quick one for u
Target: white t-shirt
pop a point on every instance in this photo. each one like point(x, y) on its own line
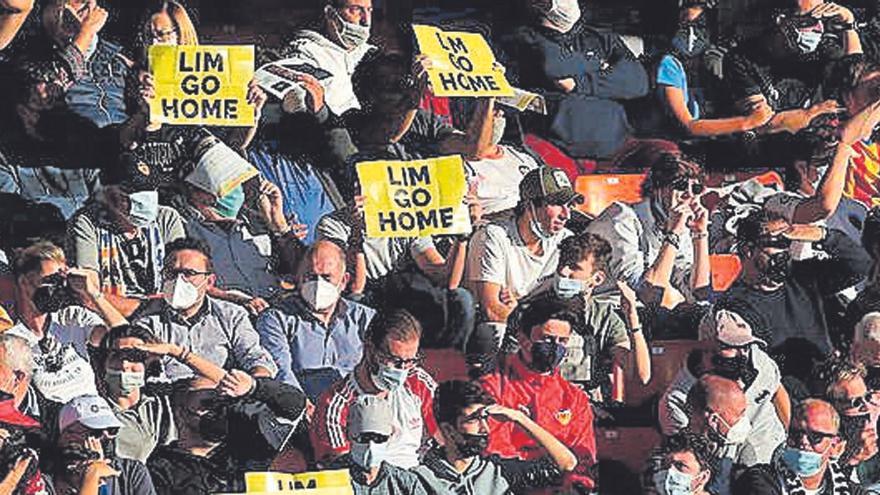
point(498, 179)
point(499, 255)
point(313, 48)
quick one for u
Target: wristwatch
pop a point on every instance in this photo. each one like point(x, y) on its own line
point(673, 239)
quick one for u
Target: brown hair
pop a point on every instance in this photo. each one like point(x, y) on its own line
point(669, 168)
point(29, 259)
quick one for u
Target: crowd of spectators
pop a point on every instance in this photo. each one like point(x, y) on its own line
point(160, 334)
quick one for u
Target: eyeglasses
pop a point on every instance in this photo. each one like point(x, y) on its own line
point(371, 437)
point(167, 36)
point(188, 273)
point(684, 185)
point(814, 437)
point(480, 415)
point(399, 362)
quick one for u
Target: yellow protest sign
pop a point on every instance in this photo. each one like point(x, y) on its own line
point(415, 198)
point(202, 84)
point(316, 483)
point(462, 63)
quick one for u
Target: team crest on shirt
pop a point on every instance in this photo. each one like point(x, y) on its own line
point(563, 416)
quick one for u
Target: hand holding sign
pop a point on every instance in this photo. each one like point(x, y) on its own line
point(462, 64)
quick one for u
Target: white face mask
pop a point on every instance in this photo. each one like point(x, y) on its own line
point(319, 294)
point(144, 208)
point(739, 432)
point(180, 294)
point(499, 125)
point(368, 455)
point(536, 227)
point(351, 35)
point(563, 14)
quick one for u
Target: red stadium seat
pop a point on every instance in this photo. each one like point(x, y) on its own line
point(631, 446)
point(445, 364)
point(725, 270)
point(601, 190)
point(556, 158)
point(667, 357)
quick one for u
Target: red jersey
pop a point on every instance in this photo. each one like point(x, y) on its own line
point(551, 401)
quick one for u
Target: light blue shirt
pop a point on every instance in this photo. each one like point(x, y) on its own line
point(670, 72)
point(298, 342)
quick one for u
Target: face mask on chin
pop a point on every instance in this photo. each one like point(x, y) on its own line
point(535, 226)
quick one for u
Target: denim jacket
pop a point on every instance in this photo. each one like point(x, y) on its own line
point(99, 94)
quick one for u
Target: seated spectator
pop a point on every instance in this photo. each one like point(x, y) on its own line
point(807, 464)
point(682, 464)
point(85, 459)
point(188, 317)
point(717, 409)
point(581, 71)
point(865, 350)
point(122, 233)
point(583, 264)
point(662, 241)
point(369, 428)
point(16, 373)
point(336, 44)
point(510, 256)
point(98, 92)
point(15, 12)
point(53, 311)
point(127, 354)
point(224, 430)
point(462, 410)
point(315, 335)
point(498, 169)
point(530, 381)
point(781, 71)
point(21, 457)
point(682, 79)
point(788, 294)
point(389, 370)
point(733, 352)
point(842, 384)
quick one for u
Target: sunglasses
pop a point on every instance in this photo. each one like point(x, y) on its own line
point(130, 355)
point(107, 432)
point(684, 185)
point(814, 437)
point(777, 241)
point(857, 402)
point(371, 437)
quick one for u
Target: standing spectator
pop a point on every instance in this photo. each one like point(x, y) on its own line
point(462, 410)
point(682, 464)
point(315, 335)
point(510, 256)
point(662, 241)
point(86, 463)
point(336, 45)
point(808, 462)
point(530, 381)
point(582, 72)
point(187, 316)
point(788, 294)
point(369, 428)
point(861, 84)
point(733, 352)
point(122, 233)
point(842, 384)
point(389, 370)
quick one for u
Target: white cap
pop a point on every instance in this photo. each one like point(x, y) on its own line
point(89, 410)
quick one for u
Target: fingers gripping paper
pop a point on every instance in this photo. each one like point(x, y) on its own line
point(462, 64)
point(202, 85)
point(414, 199)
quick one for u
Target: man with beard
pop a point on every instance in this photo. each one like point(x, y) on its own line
point(462, 410)
point(86, 461)
point(788, 295)
point(733, 352)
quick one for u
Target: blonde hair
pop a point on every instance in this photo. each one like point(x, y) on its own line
point(30, 259)
point(186, 30)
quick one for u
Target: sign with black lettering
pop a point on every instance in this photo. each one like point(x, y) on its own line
point(415, 198)
point(462, 64)
point(202, 85)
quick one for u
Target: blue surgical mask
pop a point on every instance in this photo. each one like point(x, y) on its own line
point(808, 41)
point(389, 378)
point(803, 463)
point(368, 455)
point(673, 482)
point(567, 288)
point(144, 208)
point(228, 206)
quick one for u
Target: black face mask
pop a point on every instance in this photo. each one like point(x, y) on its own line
point(472, 445)
point(872, 379)
point(214, 425)
point(778, 267)
point(547, 356)
point(691, 39)
point(738, 368)
point(851, 426)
